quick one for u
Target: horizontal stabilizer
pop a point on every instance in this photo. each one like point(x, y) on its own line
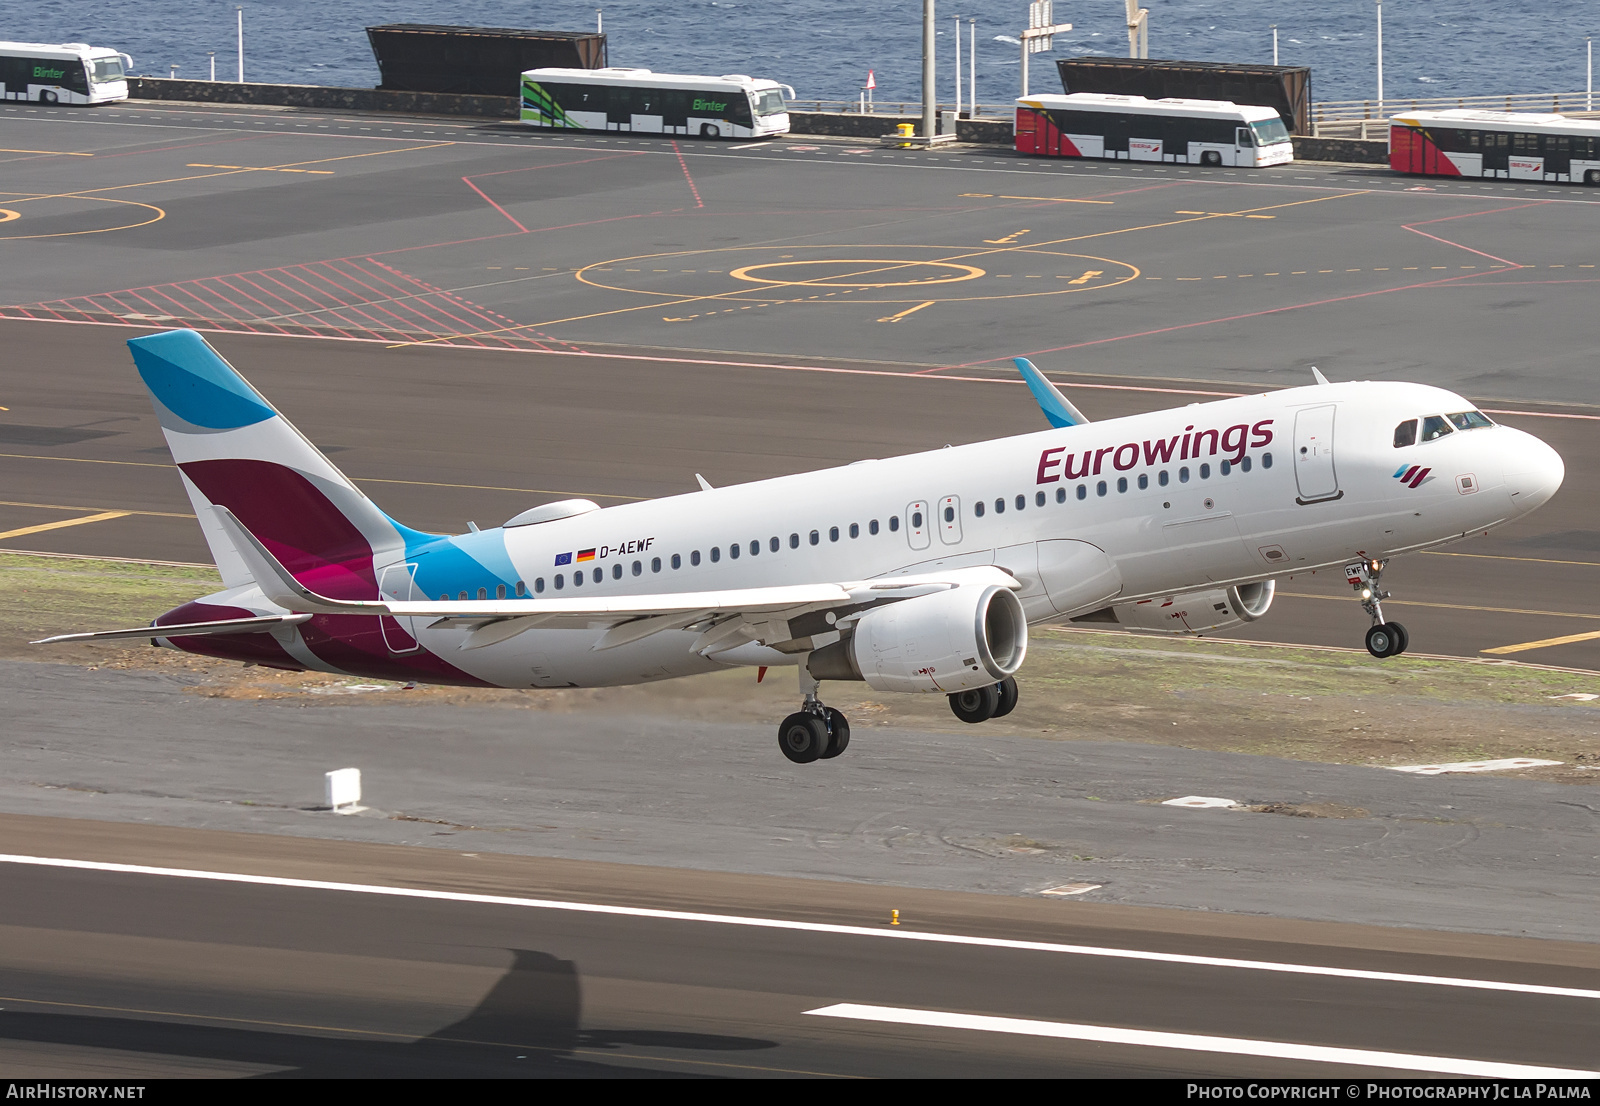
point(186, 629)
point(1057, 408)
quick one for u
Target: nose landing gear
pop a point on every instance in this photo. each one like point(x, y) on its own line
point(814, 732)
point(1384, 639)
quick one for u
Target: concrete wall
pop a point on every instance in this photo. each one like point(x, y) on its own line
point(839, 124)
point(1366, 151)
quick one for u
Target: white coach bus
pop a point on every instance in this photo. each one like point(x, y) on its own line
point(1510, 144)
point(637, 100)
point(1132, 128)
point(72, 73)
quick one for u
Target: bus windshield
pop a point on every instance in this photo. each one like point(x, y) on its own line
point(107, 69)
point(768, 101)
point(1269, 131)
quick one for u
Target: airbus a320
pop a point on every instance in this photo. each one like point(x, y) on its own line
point(914, 574)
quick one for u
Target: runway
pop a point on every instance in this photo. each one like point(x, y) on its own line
point(446, 964)
point(471, 319)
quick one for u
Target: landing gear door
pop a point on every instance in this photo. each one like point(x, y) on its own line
point(918, 524)
point(398, 582)
point(1314, 472)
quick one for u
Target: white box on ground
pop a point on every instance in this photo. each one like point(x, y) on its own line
point(342, 787)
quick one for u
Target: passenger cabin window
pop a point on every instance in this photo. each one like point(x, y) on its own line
point(1405, 434)
point(1038, 499)
point(1434, 427)
point(616, 571)
point(538, 585)
point(872, 527)
point(977, 509)
point(677, 560)
point(1061, 495)
point(894, 523)
point(1470, 420)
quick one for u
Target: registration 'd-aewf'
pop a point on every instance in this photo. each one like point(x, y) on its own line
point(918, 574)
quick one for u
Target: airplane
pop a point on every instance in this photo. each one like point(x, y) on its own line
point(918, 574)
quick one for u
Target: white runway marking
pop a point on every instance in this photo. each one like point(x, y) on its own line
point(1473, 766)
point(1195, 1042)
point(806, 927)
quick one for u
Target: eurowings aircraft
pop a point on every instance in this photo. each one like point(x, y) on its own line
point(917, 574)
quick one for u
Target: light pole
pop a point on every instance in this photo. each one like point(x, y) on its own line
point(972, 65)
point(1380, 58)
point(212, 54)
point(958, 67)
point(241, 44)
point(1274, 44)
point(929, 108)
point(599, 21)
point(1588, 47)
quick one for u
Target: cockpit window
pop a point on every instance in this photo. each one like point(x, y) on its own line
point(1405, 433)
point(1470, 420)
point(1434, 426)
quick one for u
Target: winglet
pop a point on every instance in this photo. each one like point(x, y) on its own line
point(278, 583)
point(1316, 372)
point(1056, 407)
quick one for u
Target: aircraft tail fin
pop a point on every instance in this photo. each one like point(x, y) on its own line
point(235, 450)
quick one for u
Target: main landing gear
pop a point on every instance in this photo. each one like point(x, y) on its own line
point(984, 703)
point(814, 732)
point(1384, 639)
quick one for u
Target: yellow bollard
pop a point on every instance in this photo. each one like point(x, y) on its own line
point(907, 130)
point(894, 915)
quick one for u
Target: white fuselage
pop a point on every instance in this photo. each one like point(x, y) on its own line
point(1311, 481)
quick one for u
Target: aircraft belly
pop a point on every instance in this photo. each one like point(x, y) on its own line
point(564, 658)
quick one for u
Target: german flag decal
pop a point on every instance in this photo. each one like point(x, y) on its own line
point(585, 555)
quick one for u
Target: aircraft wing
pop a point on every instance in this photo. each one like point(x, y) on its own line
point(726, 618)
point(1057, 408)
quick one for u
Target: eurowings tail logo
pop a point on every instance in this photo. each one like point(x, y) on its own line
point(1412, 475)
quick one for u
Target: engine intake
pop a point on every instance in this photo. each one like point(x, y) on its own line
point(1194, 612)
point(954, 640)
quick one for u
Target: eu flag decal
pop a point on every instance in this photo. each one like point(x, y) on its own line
point(563, 559)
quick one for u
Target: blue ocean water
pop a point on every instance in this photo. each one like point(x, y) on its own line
point(824, 48)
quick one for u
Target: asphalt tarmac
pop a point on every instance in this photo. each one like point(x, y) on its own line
point(471, 319)
point(462, 964)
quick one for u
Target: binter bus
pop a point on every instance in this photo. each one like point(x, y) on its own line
point(1133, 128)
point(1514, 145)
point(637, 100)
point(72, 73)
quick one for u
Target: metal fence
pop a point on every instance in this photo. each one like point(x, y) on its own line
point(1329, 118)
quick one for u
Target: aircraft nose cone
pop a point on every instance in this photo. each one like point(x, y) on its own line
point(1534, 473)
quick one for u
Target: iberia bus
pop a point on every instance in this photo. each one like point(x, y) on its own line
point(1511, 144)
point(68, 74)
point(617, 99)
point(1133, 128)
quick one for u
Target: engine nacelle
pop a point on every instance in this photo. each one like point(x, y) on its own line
point(1195, 612)
point(954, 640)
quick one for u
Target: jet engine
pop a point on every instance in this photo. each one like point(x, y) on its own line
point(956, 640)
point(1194, 612)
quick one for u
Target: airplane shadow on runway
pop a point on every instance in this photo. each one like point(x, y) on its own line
point(528, 1025)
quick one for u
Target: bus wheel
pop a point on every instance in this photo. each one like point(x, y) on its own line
point(1210, 157)
point(47, 97)
point(710, 130)
point(1591, 176)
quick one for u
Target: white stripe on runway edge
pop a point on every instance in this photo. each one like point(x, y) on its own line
point(805, 927)
point(1195, 1042)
